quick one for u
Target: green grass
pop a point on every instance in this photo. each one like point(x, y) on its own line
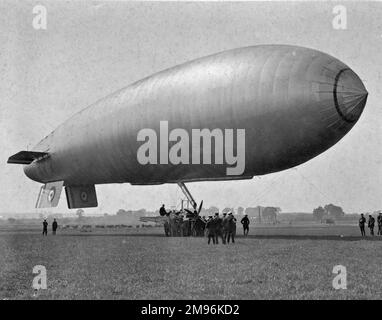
point(122, 266)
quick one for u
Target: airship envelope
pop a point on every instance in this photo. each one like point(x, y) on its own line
point(231, 115)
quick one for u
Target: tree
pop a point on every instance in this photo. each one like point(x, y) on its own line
point(80, 213)
point(121, 212)
point(270, 213)
point(213, 209)
point(11, 220)
point(226, 210)
point(240, 210)
point(252, 212)
point(319, 213)
point(334, 211)
point(209, 212)
point(141, 212)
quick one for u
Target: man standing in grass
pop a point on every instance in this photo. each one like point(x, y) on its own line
point(245, 223)
point(218, 228)
point(231, 228)
point(45, 228)
point(210, 230)
point(54, 226)
point(225, 226)
point(370, 224)
point(379, 221)
point(362, 222)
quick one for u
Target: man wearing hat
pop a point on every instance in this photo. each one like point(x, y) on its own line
point(225, 226)
point(162, 211)
point(379, 221)
point(245, 223)
point(370, 224)
point(210, 230)
point(361, 223)
point(218, 228)
point(231, 228)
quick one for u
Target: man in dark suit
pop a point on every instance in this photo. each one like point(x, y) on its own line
point(231, 228)
point(162, 211)
point(218, 228)
point(370, 224)
point(45, 228)
point(379, 222)
point(54, 226)
point(245, 223)
point(210, 230)
point(361, 223)
point(225, 226)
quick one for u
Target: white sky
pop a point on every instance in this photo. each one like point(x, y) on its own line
point(91, 49)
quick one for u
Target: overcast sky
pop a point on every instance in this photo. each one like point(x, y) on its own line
point(91, 49)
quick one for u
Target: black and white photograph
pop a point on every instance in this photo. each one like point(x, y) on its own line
point(190, 151)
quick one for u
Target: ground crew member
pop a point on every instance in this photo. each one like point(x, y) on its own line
point(218, 228)
point(54, 226)
point(203, 221)
point(370, 224)
point(199, 227)
point(162, 211)
point(231, 227)
point(173, 223)
point(167, 228)
point(245, 223)
point(361, 223)
point(45, 228)
point(379, 221)
point(225, 226)
point(210, 230)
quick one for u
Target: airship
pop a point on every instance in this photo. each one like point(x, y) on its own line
point(231, 115)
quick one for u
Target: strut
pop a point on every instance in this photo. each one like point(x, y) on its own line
point(188, 194)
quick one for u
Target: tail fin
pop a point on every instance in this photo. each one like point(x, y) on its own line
point(81, 196)
point(49, 194)
point(26, 157)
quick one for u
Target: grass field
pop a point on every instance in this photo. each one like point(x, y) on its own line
point(274, 263)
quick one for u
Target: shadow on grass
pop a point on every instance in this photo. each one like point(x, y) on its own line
point(314, 237)
point(285, 237)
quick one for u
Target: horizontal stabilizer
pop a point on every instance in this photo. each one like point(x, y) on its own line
point(26, 157)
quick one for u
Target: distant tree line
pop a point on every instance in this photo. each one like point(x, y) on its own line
point(328, 211)
point(266, 214)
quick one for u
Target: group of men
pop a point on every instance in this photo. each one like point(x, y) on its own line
point(370, 224)
point(224, 228)
point(214, 227)
point(45, 227)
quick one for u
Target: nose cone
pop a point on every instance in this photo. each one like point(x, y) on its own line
point(32, 172)
point(349, 95)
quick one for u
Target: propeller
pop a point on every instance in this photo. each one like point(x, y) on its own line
point(196, 209)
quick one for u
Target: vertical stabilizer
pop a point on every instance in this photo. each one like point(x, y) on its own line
point(49, 194)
